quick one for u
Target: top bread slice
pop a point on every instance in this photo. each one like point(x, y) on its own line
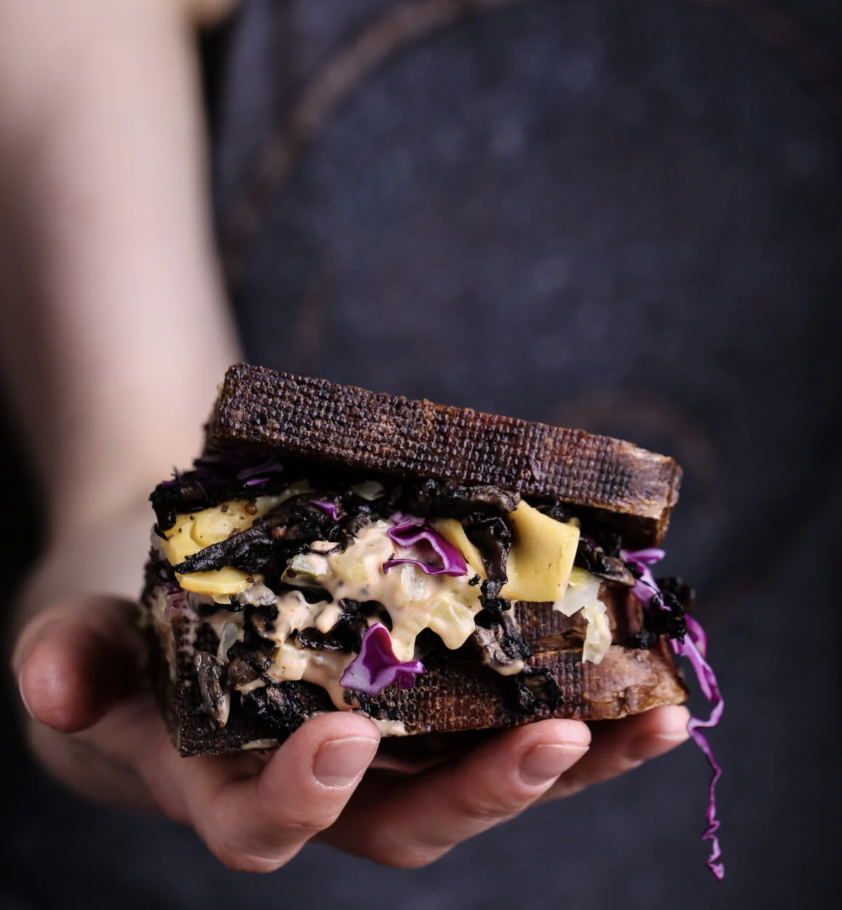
point(322, 421)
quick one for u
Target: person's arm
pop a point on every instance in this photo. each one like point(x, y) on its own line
point(115, 330)
point(114, 334)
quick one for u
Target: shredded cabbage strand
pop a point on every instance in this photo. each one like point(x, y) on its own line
point(326, 505)
point(408, 531)
point(216, 468)
point(694, 648)
point(252, 477)
point(377, 667)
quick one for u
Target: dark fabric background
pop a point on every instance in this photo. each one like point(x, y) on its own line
point(616, 214)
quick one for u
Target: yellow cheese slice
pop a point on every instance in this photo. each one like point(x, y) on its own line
point(178, 544)
point(216, 582)
point(197, 530)
point(541, 557)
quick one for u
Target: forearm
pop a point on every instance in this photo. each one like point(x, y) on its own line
point(115, 328)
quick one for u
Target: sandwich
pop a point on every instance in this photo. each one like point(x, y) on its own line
point(437, 569)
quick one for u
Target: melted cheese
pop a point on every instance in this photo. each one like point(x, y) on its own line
point(453, 532)
point(541, 557)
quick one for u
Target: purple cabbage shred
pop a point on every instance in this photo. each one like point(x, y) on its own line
point(270, 466)
point(409, 531)
point(217, 468)
point(694, 648)
point(377, 667)
point(326, 505)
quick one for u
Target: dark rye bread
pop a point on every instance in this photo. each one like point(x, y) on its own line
point(324, 422)
point(448, 698)
point(546, 629)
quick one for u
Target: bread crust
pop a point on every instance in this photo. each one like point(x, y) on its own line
point(448, 698)
point(324, 422)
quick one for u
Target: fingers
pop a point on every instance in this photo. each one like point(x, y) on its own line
point(409, 822)
point(75, 660)
point(255, 815)
point(619, 746)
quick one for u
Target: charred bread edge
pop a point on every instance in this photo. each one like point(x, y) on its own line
point(448, 698)
point(323, 421)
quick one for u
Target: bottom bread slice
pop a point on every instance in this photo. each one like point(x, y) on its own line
point(448, 698)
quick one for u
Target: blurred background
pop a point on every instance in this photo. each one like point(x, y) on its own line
point(624, 215)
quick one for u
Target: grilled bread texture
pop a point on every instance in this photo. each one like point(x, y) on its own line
point(324, 422)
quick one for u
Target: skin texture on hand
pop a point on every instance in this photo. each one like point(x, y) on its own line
point(93, 723)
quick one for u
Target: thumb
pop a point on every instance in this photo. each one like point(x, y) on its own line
point(76, 659)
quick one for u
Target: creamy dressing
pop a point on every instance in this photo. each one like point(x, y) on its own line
point(327, 618)
point(415, 601)
point(158, 603)
point(251, 686)
point(260, 744)
point(258, 595)
point(219, 620)
point(231, 632)
point(292, 662)
point(322, 668)
point(390, 727)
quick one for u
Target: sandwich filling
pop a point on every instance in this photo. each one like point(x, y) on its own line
point(355, 584)
point(430, 579)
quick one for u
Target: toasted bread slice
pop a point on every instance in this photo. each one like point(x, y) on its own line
point(324, 422)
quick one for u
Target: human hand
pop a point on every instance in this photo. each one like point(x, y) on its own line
point(94, 724)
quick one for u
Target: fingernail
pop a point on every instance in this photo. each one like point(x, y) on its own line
point(22, 695)
point(651, 746)
point(545, 763)
point(341, 761)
